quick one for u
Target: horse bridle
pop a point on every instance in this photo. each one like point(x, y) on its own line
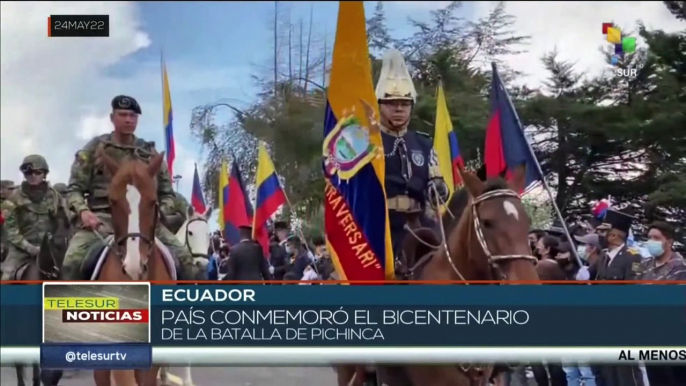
point(187, 243)
point(493, 260)
point(149, 240)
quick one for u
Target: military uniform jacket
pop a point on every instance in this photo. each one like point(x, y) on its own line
point(625, 266)
point(26, 222)
point(89, 176)
point(410, 163)
point(247, 262)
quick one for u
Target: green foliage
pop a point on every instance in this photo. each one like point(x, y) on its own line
point(594, 136)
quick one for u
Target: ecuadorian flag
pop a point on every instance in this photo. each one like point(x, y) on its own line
point(446, 145)
point(269, 197)
point(168, 121)
point(356, 217)
point(223, 196)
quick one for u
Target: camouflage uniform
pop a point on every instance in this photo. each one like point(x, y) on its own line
point(178, 214)
point(62, 190)
point(7, 187)
point(673, 270)
point(27, 220)
point(88, 177)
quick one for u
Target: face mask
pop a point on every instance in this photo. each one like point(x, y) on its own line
point(581, 251)
point(655, 248)
point(289, 250)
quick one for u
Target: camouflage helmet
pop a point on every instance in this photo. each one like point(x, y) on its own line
point(7, 184)
point(60, 188)
point(34, 162)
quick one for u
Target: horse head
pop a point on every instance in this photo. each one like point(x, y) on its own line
point(195, 232)
point(489, 241)
point(133, 202)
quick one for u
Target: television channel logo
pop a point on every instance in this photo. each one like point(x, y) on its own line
point(622, 44)
point(96, 313)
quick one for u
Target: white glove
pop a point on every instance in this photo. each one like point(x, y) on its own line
point(583, 274)
point(271, 270)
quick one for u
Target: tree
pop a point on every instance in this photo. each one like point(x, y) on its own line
point(378, 37)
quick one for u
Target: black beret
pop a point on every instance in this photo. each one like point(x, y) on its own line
point(123, 102)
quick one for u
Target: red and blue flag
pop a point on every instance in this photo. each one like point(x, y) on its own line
point(237, 208)
point(506, 145)
point(197, 198)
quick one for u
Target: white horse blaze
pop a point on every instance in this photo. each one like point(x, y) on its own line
point(132, 261)
point(511, 209)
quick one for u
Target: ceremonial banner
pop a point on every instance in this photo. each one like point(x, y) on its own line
point(446, 145)
point(356, 217)
point(506, 145)
point(223, 197)
point(168, 120)
point(269, 197)
point(197, 198)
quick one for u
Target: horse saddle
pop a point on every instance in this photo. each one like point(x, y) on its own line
point(95, 258)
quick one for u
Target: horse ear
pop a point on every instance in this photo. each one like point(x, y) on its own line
point(518, 179)
point(190, 211)
point(471, 182)
point(111, 165)
point(155, 164)
point(208, 212)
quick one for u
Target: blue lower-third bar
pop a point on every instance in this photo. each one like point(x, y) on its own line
point(120, 356)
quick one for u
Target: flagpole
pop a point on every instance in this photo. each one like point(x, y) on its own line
point(540, 172)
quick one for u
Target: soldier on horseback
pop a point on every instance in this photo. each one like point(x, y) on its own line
point(6, 189)
point(411, 162)
point(89, 178)
point(31, 211)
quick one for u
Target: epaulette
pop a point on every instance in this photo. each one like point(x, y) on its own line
point(633, 250)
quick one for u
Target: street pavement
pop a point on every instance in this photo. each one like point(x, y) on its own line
point(211, 376)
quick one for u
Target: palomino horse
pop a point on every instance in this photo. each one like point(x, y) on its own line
point(488, 241)
point(134, 254)
point(194, 234)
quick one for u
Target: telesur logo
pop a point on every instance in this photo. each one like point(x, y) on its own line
point(622, 45)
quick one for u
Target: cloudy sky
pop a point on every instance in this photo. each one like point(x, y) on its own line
point(56, 91)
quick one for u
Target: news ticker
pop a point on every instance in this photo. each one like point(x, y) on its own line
point(299, 356)
point(276, 317)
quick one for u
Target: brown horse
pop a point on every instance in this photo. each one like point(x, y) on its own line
point(134, 253)
point(487, 241)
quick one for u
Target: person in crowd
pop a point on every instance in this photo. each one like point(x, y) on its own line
point(665, 264)
point(298, 259)
point(619, 262)
point(246, 259)
point(601, 230)
point(565, 260)
point(223, 261)
point(325, 265)
point(588, 249)
point(547, 247)
point(534, 236)
point(277, 249)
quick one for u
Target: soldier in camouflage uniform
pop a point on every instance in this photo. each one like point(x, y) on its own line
point(89, 178)
point(62, 190)
point(6, 189)
point(179, 213)
point(30, 211)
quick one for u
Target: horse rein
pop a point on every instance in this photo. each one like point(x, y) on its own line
point(188, 245)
